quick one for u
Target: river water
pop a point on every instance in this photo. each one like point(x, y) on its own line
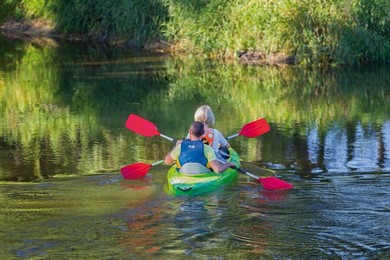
point(63, 141)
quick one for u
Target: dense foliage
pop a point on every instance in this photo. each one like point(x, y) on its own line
point(138, 21)
point(314, 31)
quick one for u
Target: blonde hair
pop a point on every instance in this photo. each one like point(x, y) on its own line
point(205, 115)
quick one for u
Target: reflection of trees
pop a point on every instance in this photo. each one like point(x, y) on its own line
point(294, 100)
point(365, 149)
point(51, 113)
point(339, 149)
point(385, 143)
point(343, 149)
point(10, 52)
point(107, 80)
point(285, 95)
point(63, 109)
point(336, 150)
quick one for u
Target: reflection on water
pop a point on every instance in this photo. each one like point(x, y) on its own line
point(336, 150)
point(385, 146)
point(365, 152)
point(63, 109)
point(343, 153)
point(313, 145)
point(96, 217)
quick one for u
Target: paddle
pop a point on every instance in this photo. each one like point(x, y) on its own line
point(269, 183)
point(148, 129)
point(253, 129)
point(137, 170)
point(144, 127)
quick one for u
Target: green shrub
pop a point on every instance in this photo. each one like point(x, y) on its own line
point(324, 32)
point(315, 31)
point(136, 19)
point(10, 9)
point(39, 8)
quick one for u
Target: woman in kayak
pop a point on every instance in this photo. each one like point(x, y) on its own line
point(193, 156)
point(212, 136)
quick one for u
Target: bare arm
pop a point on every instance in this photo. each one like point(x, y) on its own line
point(220, 167)
point(168, 158)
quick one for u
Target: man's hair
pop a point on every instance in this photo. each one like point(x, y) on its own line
point(197, 128)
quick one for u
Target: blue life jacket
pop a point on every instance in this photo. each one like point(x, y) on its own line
point(192, 152)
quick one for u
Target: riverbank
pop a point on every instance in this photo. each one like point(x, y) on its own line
point(308, 33)
point(44, 32)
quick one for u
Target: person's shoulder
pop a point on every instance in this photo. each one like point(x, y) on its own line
point(218, 133)
point(175, 151)
point(209, 152)
point(208, 148)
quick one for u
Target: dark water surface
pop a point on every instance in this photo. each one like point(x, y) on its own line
point(63, 141)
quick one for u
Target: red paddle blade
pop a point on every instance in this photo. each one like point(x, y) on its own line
point(255, 128)
point(273, 183)
point(141, 126)
point(135, 170)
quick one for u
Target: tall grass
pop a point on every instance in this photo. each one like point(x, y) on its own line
point(323, 32)
point(137, 20)
point(315, 31)
point(39, 8)
point(9, 9)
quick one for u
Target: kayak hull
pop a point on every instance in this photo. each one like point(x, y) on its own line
point(194, 184)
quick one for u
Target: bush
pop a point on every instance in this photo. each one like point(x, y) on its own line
point(10, 9)
point(315, 31)
point(325, 32)
point(138, 20)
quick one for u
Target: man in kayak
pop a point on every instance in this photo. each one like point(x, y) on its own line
point(193, 156)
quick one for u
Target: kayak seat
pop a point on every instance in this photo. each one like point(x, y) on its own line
point(223, 153)
point(194, 168)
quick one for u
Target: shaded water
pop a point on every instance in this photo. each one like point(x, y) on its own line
point(63, 140)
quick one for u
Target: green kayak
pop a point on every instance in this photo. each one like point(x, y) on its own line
point(193, 184)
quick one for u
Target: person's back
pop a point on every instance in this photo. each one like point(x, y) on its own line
point(194, 151)
point(192, 158)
